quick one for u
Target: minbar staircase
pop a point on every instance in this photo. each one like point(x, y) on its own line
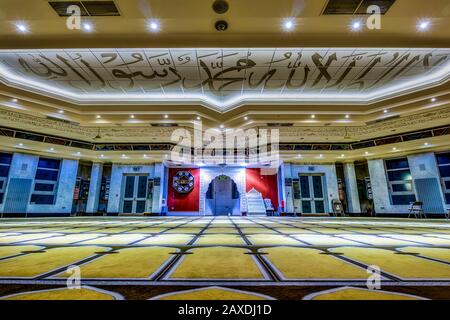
point(255, 203)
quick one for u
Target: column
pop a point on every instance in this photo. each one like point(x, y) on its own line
point(380, 190)
point(94, 187)
point(158, 189)
point(289, 202)
point(351, 188)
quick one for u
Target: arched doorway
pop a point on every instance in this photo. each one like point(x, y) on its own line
point(222, 196)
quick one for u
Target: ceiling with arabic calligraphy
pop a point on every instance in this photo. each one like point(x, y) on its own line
point(225, 78)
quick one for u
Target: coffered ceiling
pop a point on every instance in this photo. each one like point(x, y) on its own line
point(320, 72)
point(225, 78)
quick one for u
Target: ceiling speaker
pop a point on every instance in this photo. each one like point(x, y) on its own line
point(220, 6)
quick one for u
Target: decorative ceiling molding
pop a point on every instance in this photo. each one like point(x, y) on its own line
point(223, 79)
point(149, 134)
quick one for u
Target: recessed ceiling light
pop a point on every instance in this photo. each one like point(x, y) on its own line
point(222, 126)
point(14, 100)
point(423, 25)
point(20, 144)
point(153, 25)
point(132, 116)
point(288, 25)
point(61, 111)
point(245, 118)
point(52, 149)
point(320, 155)
point(313, 116)
point(98, 116)
point(299, 156)
point(356, 25)
point(394, 149)
point(123, 156)
point(87, 27)
point(385, 111)
point(366, 153)
point(166, 116)
point(347, 116)
point(342, 155)
point(102, 155)
point(198, 118)
point(22, 27)
point(433, 99)
point(426, 144)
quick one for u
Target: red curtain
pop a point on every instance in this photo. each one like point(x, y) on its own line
point(183, 201)
point(266, 184)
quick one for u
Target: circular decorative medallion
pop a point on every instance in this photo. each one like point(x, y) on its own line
point(183, 182)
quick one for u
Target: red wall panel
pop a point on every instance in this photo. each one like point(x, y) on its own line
point(266, 184)
point(183, 201)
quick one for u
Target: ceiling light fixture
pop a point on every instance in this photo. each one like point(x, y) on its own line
point(433, 99)
point(14, 100)
point(198, 118)
point(426, 144)
point(87, 27)
point(61, 111)
point(313, 116)
point(394, 149)
point(153, 25)
point(423, 25)
point(288, 24)
point(347, 116)
point(245, 118)
point(22, 27)
point(385, 111)
point(166, 116)
point(132, 116)
point(356, 25)
point(98, 116)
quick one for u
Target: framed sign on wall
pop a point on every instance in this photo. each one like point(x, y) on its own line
point(183, 182)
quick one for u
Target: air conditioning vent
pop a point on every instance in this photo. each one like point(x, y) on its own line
point(382, 120)
point(164, 125)
point(101, 8)
point(64, 121)
point(87, 8)
point(352, 7)
point(280, 124)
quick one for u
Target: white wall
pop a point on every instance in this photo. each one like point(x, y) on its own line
point(64, 195)
point(421, 166)
point(330, 188)
point(117, 181)
point(24, 166)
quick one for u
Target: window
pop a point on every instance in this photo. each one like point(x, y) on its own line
point(45, 182)
point(5, 164)
point(400, 181)
point(443, 162)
